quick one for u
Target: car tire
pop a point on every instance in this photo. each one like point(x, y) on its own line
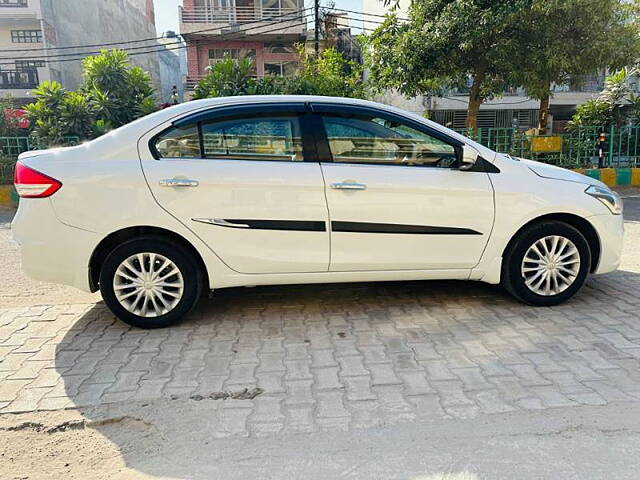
point(546, 264)
point(162, 278)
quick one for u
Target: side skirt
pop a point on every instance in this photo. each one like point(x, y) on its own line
point(241, 280)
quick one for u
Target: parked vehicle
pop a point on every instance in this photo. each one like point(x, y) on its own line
point(246, 191)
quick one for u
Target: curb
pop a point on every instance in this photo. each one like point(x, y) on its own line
point(8, 196)
point(613, 177)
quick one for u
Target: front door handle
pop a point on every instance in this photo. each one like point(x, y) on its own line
point(178, 182)
point(349, 186)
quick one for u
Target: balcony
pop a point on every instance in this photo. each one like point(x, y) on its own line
point(18, 79)
point(256, 20)
point(14, 3)
point(10, 10)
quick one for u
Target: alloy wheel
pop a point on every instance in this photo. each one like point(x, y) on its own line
point(550, 265)
point(148, 284)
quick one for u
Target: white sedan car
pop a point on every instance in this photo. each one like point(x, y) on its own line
point(247, 191)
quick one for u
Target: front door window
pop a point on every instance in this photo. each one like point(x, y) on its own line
point(382, 142)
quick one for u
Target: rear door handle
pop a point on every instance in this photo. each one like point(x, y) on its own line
point(178, 182)
point(349, 186)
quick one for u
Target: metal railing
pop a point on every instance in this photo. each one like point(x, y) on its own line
point(193, 80)
point(11, 147)
point(233, 15)
point(577, 149)
point(19, 79)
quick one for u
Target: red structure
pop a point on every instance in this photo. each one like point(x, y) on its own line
point(263, 30)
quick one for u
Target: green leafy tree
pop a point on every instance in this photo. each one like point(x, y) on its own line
point(565, 39)
point(119, 92)
point(228, 78)
point(614, 106)
point(113, 93)
point(446, 42)
point(330, 74)
point(45, 113)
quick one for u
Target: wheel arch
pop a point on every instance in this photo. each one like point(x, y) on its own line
point(111, 241)
point(579, 223)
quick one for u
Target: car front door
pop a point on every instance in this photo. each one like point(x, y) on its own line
point(240, 178)
point(397, 199)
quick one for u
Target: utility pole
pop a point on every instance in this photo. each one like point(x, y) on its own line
point(316, 8)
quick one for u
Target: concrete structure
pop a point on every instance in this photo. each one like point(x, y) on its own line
point(38, 24)
point(264, 30)
point(173, 68)
point(511, 109)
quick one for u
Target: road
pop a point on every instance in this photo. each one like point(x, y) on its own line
point(406, 380)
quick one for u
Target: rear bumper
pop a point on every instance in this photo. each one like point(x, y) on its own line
point(52, 251)
point(610, 229)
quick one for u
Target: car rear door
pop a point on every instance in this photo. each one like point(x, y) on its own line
point(244, 181)
point(397, 199)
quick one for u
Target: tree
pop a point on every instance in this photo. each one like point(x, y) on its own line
point(565, 39)
point(329, 74)
point(113, 93)
point(119, 92)
point(444, 43)
point(230, 78)
point(609, 108)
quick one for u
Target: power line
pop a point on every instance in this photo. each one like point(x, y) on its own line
point(129, 42)
point(52, 58)
point(367, 14)
point(359, 28)
point(182, 46)
point(123, 42)
point(179, 45)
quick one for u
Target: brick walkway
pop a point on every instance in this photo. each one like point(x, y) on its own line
point(335, 356)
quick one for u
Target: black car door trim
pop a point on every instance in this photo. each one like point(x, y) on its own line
point(336, 226)
point(257, 224)
point(396, 228)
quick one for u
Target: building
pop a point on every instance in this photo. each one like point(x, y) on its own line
point(513, 108)
point(39, 24)
point(338, 35)
point(263, 30)
point(173, 68)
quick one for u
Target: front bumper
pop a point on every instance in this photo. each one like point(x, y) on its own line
point(52, 251)
point(610, 229)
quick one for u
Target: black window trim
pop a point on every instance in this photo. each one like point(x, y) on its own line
point(326, 108)
point(300, 110)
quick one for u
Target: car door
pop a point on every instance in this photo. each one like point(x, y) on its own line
point(240, 178)
point(397, 199)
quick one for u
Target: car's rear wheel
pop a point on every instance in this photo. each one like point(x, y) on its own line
point(148, 282)
point(546, 264)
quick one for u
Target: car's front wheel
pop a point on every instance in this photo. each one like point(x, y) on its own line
point(546, 264)
point(148, 282)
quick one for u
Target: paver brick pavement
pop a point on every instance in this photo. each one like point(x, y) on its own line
point(317, 357)
point(335, 357)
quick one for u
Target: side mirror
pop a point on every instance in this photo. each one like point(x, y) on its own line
point(469, 157)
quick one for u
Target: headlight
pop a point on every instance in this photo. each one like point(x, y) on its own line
point(611, 199)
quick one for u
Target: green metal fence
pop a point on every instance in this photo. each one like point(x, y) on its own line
point(575, 149)
point(11, 147)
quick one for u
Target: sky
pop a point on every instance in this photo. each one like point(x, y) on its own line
point(167, 12)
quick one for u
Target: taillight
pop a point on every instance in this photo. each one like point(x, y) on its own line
point(32, 184)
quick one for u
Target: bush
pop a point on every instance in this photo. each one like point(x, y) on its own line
point(330, 74)
point(113, 93)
